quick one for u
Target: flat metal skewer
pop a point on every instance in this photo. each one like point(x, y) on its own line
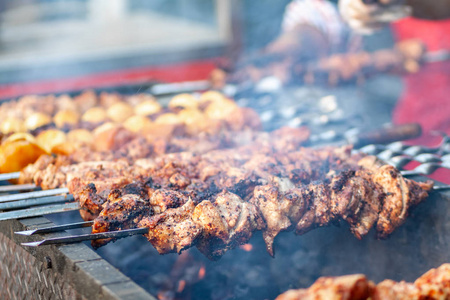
point(39, 211)
point(441, 187)
point(425, 169)
point(17, 187)
point(8, 176)
point(35, 202)
point(56, 228)
point(38, 194)
point(86, 237)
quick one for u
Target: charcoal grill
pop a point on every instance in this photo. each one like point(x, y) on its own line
point(76, 271)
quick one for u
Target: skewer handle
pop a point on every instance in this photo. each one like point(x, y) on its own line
point(38, 194)
point(88, 237)
point(35, 202)
point(17, 187)
point(39, 211)
point(56, 228)
point(8, 176)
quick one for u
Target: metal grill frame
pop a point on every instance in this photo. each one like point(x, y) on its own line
point(57, 272)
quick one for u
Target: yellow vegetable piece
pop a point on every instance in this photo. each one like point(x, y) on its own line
point(12, 124)
point(37, 120)
point(136, 123)
point(220, 110)
point(95, 115)
point(20, 136)
point(190, 116)
point(184, 101)
point(50, 138)
point(120, 111)
point(64, 117)
point(104, 127)
point(148, 107)
point(83, 136)
point(168, 118)
point(212, 96)
point(17, 154)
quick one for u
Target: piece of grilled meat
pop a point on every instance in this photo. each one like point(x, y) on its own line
point(433, 285)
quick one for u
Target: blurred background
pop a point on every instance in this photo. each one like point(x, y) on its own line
point(64, 39)
point(56, 46)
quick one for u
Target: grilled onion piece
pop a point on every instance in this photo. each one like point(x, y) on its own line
point(95, 115)
point(50, 138)
point(120, 111)
point(11, 125)
point(18, 151)
point(137, 123)
point(183, 101)
point(66, 117)
point(148, 107)
point(36, 120)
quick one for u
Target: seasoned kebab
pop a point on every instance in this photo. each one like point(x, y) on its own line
point(46, 168)
point(433, 285)
point(108, 122)
point(222, 210)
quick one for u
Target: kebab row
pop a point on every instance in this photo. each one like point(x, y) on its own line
point(433, 285)
point(214, 189)
point(406, 57)
point(209, 116)
point(216, 200)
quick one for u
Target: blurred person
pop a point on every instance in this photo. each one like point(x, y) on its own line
point(316, 40)
point(425, 96)
point(316, 31)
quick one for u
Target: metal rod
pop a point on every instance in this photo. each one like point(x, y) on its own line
point(56, 228)
point(179, 87)
point(408, 173)
point(87, 237)
point(39, 211)
point(8, 176)
point(17, 187)
point(441, 188)
point(38, 194)
point(35, 201)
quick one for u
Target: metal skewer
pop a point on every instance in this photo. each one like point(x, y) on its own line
point(425, 169)
point(56, 228)
point(441, 188)
point(35, 202)
point(87, 237)
point(8, 176)
point(94, 236)
point(38, 194)
point(39, 211)
point(17, 187)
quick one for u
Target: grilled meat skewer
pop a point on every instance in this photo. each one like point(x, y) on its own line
point(433, 285)
point(379, 197)
point(45, 167)
point(132, 127)
point(200, 176)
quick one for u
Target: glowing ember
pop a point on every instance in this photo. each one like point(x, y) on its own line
point(165, 295)
point(181, 285)
point(246, 247)
point(201, 273)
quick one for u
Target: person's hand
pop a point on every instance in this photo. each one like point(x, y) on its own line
point(366, 16)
